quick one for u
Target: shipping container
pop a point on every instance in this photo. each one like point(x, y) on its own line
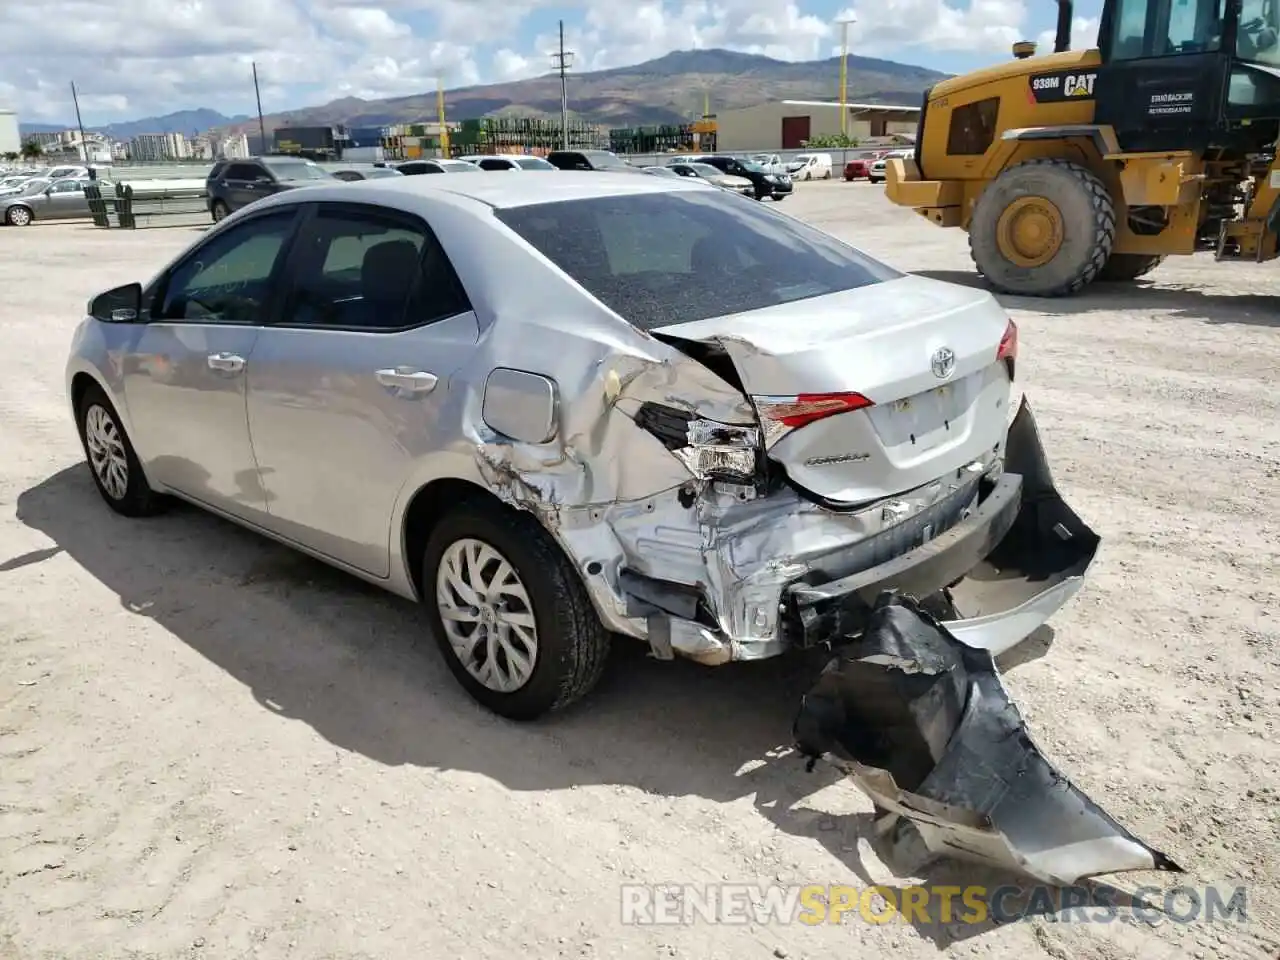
point(363, 154)
point(364, 137)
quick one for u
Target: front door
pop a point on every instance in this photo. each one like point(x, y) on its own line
point(184, 381)
point(65, 200)
point(346, 388)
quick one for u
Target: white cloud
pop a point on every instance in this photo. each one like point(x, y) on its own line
point(134, 58)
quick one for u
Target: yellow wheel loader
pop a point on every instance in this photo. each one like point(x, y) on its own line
point(1086, 165)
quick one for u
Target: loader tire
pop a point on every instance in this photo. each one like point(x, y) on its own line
point(1129, 266)
point(1043, 228)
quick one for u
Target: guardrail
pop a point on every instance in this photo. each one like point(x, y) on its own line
point(149, 203)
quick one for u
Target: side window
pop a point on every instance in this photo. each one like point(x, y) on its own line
point(68, 186)
point(364, 270)
point(494, 165)
point(241, 171)
point(228, 279)
point(973, 128)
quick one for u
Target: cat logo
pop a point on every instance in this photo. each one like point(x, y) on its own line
point(1079, 85)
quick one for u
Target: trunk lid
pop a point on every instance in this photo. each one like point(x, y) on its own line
point(882, 342)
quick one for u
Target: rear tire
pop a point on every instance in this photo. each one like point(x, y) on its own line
point(1123, 267)
point(539, 669)
point(1044, 228)
point(219, 210)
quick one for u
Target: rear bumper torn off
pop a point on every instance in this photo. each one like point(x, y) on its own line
point(1006, 566)
point(923, 725)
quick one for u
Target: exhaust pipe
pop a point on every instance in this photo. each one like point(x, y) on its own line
point(1062, 40)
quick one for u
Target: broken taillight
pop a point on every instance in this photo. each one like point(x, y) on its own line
point(1008, 351)
point(805, 408)
point(711, 450)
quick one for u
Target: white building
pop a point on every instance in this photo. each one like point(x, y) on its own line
point(159, 146)
point(235, 148)
point(10, 137)
point(790, 124)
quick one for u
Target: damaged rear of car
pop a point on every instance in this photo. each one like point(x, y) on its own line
point(843, 429)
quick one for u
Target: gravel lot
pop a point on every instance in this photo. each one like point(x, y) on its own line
point(213, 747)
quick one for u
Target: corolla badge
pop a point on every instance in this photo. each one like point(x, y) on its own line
point(943, 362)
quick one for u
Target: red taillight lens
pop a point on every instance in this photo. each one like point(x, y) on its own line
point(1008, 351)
point(808, 407)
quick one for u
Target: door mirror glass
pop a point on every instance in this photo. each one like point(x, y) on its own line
point(119, 305)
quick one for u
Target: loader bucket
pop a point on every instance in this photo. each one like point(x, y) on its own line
point(923, 725)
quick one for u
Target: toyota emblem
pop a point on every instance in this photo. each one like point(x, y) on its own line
point(943, 362)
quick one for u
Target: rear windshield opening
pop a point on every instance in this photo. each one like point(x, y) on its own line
point(657, 259)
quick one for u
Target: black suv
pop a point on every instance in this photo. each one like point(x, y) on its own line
point(589, 160)
point(767, 184)
point(233, 184)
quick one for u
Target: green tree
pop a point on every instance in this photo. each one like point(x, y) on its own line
point(31, 150)
point(12, 155)
point(838, 141)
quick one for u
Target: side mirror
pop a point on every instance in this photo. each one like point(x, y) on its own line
point(119, 305)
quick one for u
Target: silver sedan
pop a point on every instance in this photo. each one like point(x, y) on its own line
point(560, 409)
point(42, 200)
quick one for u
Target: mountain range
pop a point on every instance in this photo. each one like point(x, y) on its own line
point(668, 90)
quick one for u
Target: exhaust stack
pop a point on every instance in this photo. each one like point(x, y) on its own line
point(1062, 39)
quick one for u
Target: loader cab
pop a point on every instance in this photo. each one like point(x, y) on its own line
point(1189, 74)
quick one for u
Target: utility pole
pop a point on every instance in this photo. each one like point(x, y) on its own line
point(563, 60)
point(844, 75)
point(262, 127)
point(84, 144)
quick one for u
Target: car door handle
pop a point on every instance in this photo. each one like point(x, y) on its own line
point(418, 381)
point(226, 362)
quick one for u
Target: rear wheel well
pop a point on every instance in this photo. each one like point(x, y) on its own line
point(426, 509)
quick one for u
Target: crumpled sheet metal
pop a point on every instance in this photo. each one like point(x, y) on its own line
point(924, 726)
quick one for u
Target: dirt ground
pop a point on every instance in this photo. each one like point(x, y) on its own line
point(213, 747)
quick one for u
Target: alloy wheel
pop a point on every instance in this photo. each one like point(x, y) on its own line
point(106, 452)
point(19, 216)
point(487, 615)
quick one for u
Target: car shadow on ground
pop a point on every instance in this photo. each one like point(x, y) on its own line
point(1251, 309)
point(355, 664)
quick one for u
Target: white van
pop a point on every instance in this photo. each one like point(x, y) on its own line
point(810, 166)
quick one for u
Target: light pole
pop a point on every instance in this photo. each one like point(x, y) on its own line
point(844, 74)
point(563, 60)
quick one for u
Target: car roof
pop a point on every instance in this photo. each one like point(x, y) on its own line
point(519, 189)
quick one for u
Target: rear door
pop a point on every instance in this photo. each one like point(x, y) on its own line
point(241, 184)
point(66, 199)
point(345, 390)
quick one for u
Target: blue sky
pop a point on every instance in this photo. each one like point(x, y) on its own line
point(137, 58)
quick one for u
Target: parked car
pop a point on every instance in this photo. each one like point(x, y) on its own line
point(638, 407)
point(41, 200)
point(366, 173)
point(415, 168)
point(775, 185)
point(810, 166)
point(589, 160)
point(661, 171)
point(233, 184)
point(876, 172)
point(14, 184)
point(60, 173)
point(769, 162)
point(509, 162)
point(716, 176)
point(858, 168)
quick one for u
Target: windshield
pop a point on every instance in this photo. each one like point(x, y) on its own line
point(534, 163)
point(458, 166)
point(605, 161)
point(752, 167)
point(33, 187)
point(705, 170)
point(382, 172)
point(298, 171)
point(663, 258)
point(1258, 35)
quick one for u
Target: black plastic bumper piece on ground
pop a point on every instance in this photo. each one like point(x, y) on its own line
point(1021, 540)
point(924, 726)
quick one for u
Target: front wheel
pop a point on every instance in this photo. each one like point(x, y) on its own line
point(1043, 228)
point(17, 216)
point(112, 461)
point(219, 210)
point(509, 612)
